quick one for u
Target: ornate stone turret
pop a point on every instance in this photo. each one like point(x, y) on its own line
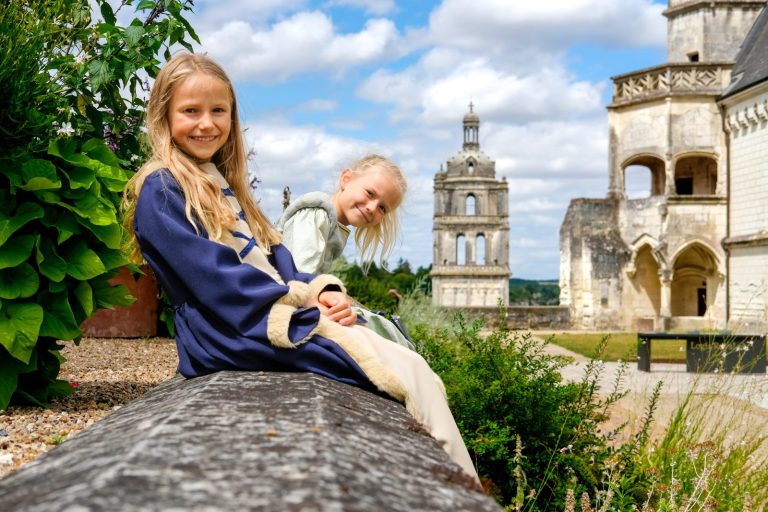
point(471, 227)
point(654, 261)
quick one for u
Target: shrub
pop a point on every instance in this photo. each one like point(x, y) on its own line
point(73, 85)
point(532, 436)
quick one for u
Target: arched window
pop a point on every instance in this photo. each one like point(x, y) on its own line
point(470, 205)
point(643, 177)
point(471, 166)
point(695, 176)
point(461, 250)
point(480, 250)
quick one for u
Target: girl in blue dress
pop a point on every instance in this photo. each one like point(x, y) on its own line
point(240, 303)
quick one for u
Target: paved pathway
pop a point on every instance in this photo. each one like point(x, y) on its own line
point(752, 388)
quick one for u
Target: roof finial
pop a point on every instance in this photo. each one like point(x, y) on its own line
point(470, 105)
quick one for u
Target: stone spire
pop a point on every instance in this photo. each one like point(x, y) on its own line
point(471, 130)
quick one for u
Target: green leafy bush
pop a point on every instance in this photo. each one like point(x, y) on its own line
point(532, 435)
point(72, 85)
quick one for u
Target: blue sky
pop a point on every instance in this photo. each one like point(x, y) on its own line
point(324, 82)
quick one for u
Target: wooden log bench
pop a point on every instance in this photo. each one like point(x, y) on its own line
point(248, 441)
point(722, 352)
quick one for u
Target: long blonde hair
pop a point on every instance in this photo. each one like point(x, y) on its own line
point(204, 199)
point(383, 235)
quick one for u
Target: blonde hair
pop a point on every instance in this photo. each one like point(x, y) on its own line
point(369, 239)
point(205, 201)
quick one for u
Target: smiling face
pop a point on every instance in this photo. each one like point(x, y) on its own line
point(200, 115)
point(363, 200)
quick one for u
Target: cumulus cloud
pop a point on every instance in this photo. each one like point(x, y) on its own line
point(370, 6)
point(498, 25)
point(304, 42)
point(212, 14)
point(303, 158)
point(557, 149)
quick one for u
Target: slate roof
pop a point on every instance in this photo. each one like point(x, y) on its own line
point(751, 67)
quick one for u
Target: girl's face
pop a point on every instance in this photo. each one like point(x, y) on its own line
point(363, 200)
point(200, 115)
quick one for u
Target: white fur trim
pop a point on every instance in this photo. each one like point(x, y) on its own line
point(278, 322)
point(298, 293)
point(277, 325)
point(381, 376)
point(321, 281)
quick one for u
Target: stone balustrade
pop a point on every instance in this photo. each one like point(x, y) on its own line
point(670, 80)
point(248, 441)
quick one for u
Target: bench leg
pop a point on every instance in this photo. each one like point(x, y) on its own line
point(643, 354)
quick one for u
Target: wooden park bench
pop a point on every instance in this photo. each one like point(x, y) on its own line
point(705, 352)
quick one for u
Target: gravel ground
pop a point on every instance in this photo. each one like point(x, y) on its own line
point(107, 374)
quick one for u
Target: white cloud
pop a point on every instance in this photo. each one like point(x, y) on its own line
point(215, 13)
point(498, 25)
point(556, 149)
point(371, 6)
point(302, 158)
point(304, 42)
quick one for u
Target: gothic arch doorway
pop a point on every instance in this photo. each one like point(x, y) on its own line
point(693, 271)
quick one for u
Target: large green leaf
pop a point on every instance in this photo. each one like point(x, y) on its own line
point(84, 295)
point(67, 225)
point(100, 73)
point(93, 208)
point(98, 150)
point(25, 213)
point(59, 320)
point(82, 262)
point(50, 264)
point(9, 379)
point(10, 369)
point(63, 148)
point(19, 328)
point(79, 177)
point(133, 34)
point(112, 258)
point(111, 234)
point(106, 296)
point(39, 174)
point(16, 250)
point(18, 282)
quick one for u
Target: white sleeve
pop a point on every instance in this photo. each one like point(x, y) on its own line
point(305, 234)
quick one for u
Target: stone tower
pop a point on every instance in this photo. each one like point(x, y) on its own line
point(470, 265)
point(656, 262)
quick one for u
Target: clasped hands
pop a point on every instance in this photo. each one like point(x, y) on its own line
point(337, 306)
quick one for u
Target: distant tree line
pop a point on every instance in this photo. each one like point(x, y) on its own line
point(523, 292)
point(380, 288)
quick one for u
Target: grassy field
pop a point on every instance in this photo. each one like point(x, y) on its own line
point(621, 345)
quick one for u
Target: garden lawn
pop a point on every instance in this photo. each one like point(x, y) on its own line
point(621, 345)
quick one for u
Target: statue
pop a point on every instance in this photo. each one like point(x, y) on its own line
point(286, 197)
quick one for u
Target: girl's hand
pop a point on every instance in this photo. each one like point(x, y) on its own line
point(337, 307)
